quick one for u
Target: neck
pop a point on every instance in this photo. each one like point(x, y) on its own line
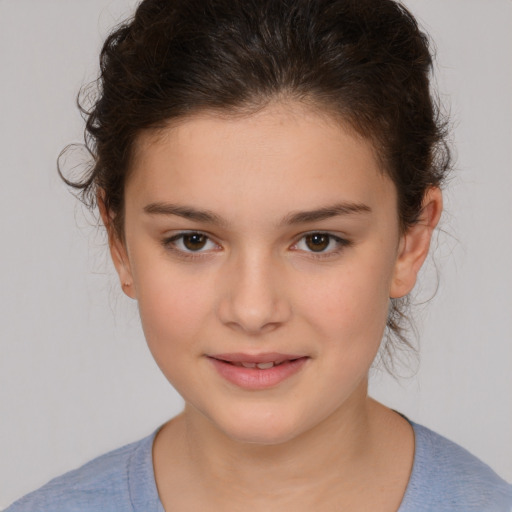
point(359, 458)
point(332, 450)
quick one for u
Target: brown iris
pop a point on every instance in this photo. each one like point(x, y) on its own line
point(317, 242)
point(194, 241)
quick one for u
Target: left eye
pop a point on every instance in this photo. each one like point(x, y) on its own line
point(191, 242)
point(319, 243)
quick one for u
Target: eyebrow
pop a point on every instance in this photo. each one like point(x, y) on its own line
point(327, 212)
point(301, 217)
point(186, 212)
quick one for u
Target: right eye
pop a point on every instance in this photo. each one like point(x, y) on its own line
point(190, 242)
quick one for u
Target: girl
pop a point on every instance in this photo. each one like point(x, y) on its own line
point(269, 174)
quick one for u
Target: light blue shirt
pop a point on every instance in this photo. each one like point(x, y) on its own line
point(445, 478)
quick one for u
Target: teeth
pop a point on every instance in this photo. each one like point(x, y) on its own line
point(265, 366)
point(261, 366)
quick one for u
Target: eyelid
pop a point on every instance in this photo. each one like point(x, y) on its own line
point(169, 244)
point(341, 242)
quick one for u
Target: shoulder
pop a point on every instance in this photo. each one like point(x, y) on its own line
point(112, 482)
point(446, 477)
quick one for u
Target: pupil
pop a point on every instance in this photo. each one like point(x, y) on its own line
point(317, 242)
point(194, 242)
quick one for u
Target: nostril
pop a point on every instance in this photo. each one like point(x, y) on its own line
point(252, 303)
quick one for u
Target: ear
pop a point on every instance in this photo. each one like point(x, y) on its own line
point(415, 243)
point(117, 248)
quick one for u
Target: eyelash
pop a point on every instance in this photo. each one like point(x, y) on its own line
point(341, 244)
point(170, 244)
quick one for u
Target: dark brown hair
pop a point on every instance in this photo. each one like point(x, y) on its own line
point(363, 61)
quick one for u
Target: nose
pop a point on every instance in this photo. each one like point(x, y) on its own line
point(253, 298)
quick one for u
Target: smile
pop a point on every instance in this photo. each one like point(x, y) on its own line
point(257, 372)
point(261, 366)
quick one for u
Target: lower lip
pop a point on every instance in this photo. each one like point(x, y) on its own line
point(255, 378)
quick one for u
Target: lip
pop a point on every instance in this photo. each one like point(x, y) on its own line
point(255, 378)
point(266, 357)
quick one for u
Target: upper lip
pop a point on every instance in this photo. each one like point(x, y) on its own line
point(268, 357)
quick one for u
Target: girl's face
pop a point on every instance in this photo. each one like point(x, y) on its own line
point(271, 238)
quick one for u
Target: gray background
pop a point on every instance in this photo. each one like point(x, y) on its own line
point(76, 378)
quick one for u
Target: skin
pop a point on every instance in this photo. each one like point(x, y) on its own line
point(316, 441)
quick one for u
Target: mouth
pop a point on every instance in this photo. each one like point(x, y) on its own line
point(258, 371)
point(261, 366)
point(262, 361)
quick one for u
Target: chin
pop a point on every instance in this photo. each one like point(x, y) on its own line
point(266, 428)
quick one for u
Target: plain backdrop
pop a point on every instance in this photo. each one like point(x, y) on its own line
point(76, 378)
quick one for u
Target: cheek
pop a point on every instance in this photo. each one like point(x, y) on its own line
point(351, 304)
point(348, 317)
point(173, 306)
point(173, 315)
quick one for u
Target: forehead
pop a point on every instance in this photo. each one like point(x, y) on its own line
point(284, 153)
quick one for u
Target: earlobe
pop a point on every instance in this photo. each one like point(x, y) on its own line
point(117, 249)
point(415, 243)
point(122, 264)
